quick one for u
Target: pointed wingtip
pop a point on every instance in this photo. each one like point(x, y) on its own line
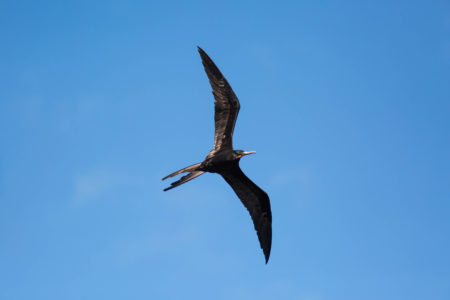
point(203, 54)
point(266, 250)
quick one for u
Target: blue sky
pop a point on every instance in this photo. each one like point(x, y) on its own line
point(346, 103)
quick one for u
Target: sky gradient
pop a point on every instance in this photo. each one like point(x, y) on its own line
point(347, 105)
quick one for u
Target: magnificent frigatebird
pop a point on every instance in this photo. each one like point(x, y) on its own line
point(224, 160)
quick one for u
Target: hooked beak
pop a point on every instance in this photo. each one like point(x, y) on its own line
point(246, 153)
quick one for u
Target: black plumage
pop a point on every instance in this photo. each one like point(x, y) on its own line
point(224, 160)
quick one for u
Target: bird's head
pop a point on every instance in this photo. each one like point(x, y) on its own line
point(240, 153)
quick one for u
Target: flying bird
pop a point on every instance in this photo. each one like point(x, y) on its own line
point(224, 160)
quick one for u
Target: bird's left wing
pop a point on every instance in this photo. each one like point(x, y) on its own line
point(257, 203)
point(226, 104)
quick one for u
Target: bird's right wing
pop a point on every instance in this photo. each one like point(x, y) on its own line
point(226, 104)
point(257, 203)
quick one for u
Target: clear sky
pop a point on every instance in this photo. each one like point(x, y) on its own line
point(347, 104)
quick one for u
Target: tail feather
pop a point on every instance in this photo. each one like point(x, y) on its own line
point(187, 169)
point(184, 179)
point(193, 173)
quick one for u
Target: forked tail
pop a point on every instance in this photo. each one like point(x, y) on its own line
point(193, 173)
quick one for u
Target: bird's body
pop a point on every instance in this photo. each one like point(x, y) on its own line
point(220, 161)
point(224, 160)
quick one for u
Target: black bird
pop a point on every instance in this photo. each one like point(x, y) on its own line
point(224, 160)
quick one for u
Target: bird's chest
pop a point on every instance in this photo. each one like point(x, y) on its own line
point(217, 164)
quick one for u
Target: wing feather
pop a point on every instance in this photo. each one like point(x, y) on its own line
point(257, 203)
point(226, 104)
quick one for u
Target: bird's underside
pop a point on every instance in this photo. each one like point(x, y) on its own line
point(224, 160)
